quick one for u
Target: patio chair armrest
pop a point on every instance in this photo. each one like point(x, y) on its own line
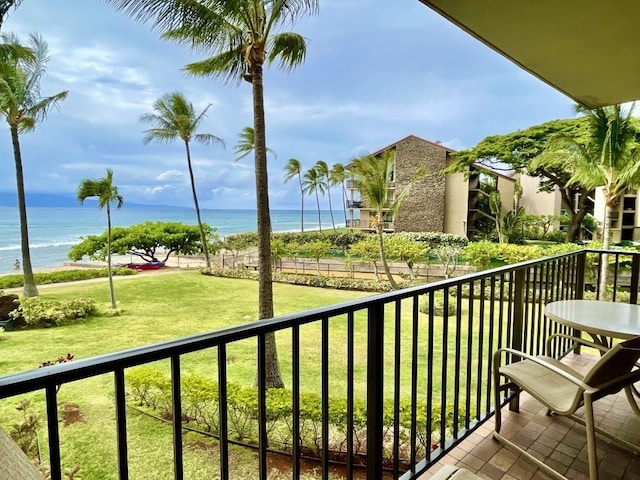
point(580, 340)
point(558, 371)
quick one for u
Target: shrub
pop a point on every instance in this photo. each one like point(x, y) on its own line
point(510, 253)
point(480, 254)
point(17, 280)
point(150, 388)
point(556, 236)
point(438, 308)
point(338, 283)
point(434, 240)
point(40, 312)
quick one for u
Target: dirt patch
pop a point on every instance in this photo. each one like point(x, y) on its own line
point(71, 414)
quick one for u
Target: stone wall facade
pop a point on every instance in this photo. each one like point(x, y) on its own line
point(424, 208)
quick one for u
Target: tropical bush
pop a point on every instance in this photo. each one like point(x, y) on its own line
point(41, 312)
point(151, 389)
point(438, 307)
point(17, 280)
point(433, 240)
point(338, 283)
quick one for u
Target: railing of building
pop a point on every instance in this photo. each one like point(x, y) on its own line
point(412, 368)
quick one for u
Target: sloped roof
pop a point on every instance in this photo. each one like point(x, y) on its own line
point(585, 49)
point(395, 144)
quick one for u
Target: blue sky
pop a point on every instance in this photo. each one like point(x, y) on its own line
point(375, 72)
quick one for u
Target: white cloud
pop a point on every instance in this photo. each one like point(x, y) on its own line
point(170, 175)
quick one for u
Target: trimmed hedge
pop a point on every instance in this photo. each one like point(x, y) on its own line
point(17, 280)
point(150, 388)
point(338, 240)
point(434, 240)
point(338, 283)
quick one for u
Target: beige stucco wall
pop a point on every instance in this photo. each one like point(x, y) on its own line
point(538, 203)
point(424, 208)
point(456, 205)
point(506, 189)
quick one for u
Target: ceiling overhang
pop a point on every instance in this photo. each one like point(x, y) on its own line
point(587, 49)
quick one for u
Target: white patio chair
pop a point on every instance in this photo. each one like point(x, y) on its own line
point(563, 391)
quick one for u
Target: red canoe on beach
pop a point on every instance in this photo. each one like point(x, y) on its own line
point(145, 266)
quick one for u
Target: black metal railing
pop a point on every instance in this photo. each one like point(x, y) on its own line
point(426, 377)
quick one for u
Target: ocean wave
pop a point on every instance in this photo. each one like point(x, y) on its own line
point(38, 245)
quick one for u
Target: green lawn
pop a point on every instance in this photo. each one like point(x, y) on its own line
point(166, 306)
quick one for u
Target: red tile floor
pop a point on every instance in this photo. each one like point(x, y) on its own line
point(558, 441)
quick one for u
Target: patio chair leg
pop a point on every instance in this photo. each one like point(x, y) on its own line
point(496, 400)
point(591, 437)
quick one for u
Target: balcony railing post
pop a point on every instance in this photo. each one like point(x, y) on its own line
point(581, 262)
point(375, 389)
point(519, 293)
point(635, 273)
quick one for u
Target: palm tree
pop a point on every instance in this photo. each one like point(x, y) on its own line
point(610, 159)
point(323, 171)
point(22, 106)
point(107, 193)
point(293, 168)
point(5, 6)
point(373, 176)
point(314, 182)
point(337, 176)
point(242, 35)
point(247, 144)
point(174, 118)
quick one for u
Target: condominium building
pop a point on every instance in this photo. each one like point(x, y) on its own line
point(442, 203)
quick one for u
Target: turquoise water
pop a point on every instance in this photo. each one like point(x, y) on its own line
point(52, 231)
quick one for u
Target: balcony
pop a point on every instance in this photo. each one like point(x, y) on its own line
point(362, 225)
point(412, 369)
point(354, 204)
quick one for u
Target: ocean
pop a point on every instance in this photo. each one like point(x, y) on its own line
point(53, 231)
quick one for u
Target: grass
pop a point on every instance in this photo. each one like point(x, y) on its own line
point(166, 306)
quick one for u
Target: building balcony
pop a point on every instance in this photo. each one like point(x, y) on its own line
point(354, 204)
point(411, 368)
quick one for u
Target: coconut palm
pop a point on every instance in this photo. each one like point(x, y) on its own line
point(293, 168)
point(314, 182)
point(174, 118)
point(338, 176)
point(373, 176)
point(610, 159)
point(247, 144)
point(323, 171)
point(106, 193)
point(22, 106)
point(5, 6)
point(241, 36)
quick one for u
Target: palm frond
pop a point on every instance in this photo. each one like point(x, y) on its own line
point(208, 139)
point(288, 50)
point(292, 169)
point(228, 65)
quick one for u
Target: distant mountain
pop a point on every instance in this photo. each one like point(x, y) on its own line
point(9, 199)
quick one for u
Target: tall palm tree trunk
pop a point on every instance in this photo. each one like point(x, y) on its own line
point(344, 203)
point(606, 244)
point(30, 289)
point(265, 287)
point(383, 257)
point(318, 204)
point(331, 209)
point(112, 292)
point(301, 203)
point(203, 237)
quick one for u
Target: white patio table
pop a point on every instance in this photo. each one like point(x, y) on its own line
point(603, 321)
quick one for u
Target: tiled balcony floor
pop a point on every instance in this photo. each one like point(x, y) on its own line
point(558, 441)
